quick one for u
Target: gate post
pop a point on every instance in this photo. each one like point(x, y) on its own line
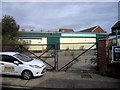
point(55, 56)
point(103, 57)
point(21, 48)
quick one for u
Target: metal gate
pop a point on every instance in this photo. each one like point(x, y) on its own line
point(45, 52)
point(83, 58)
point(78, 59)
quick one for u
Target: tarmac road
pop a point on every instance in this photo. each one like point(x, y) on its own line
point(13, 88)
point(62, 80)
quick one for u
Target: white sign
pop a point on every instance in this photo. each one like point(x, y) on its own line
point(117, 50)
point(115, 53)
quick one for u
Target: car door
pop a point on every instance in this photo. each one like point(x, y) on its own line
point(8, 66)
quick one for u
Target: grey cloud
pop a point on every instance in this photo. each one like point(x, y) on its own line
point(48, 15)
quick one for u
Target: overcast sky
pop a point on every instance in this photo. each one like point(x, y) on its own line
point(54, 15)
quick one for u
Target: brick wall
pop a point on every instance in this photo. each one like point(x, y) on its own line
point(103, 55)
point(106, 68)
point(98, 30)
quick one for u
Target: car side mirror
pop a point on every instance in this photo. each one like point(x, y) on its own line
point(16, 62)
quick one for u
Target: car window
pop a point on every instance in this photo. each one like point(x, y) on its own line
point(8, 58)
point(23, 57)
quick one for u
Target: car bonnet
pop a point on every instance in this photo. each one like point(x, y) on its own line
point(36, 62)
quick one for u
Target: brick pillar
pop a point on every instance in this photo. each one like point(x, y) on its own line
point(103, 58)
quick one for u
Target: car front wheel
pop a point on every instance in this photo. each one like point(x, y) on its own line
point(27, 75)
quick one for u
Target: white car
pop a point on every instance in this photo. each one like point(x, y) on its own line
point(14, 63)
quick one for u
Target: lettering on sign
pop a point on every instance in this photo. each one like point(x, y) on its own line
point(9, 68)
point(117, 49)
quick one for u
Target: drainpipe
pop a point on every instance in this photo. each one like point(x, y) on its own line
point(116, 37)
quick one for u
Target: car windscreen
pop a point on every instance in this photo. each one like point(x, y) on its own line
point(23, 57)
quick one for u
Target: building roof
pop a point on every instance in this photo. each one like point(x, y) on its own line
point(65, 30)
point(35, 35)
point(95, 29)
point(89, 29)
point(116, 26)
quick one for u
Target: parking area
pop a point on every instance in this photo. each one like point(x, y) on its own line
point(63, 80)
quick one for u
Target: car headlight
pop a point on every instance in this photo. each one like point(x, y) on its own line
point(35, 66)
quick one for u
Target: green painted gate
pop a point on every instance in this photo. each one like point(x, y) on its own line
point(53, 40)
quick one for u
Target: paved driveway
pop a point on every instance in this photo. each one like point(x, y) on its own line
point(64, 80)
